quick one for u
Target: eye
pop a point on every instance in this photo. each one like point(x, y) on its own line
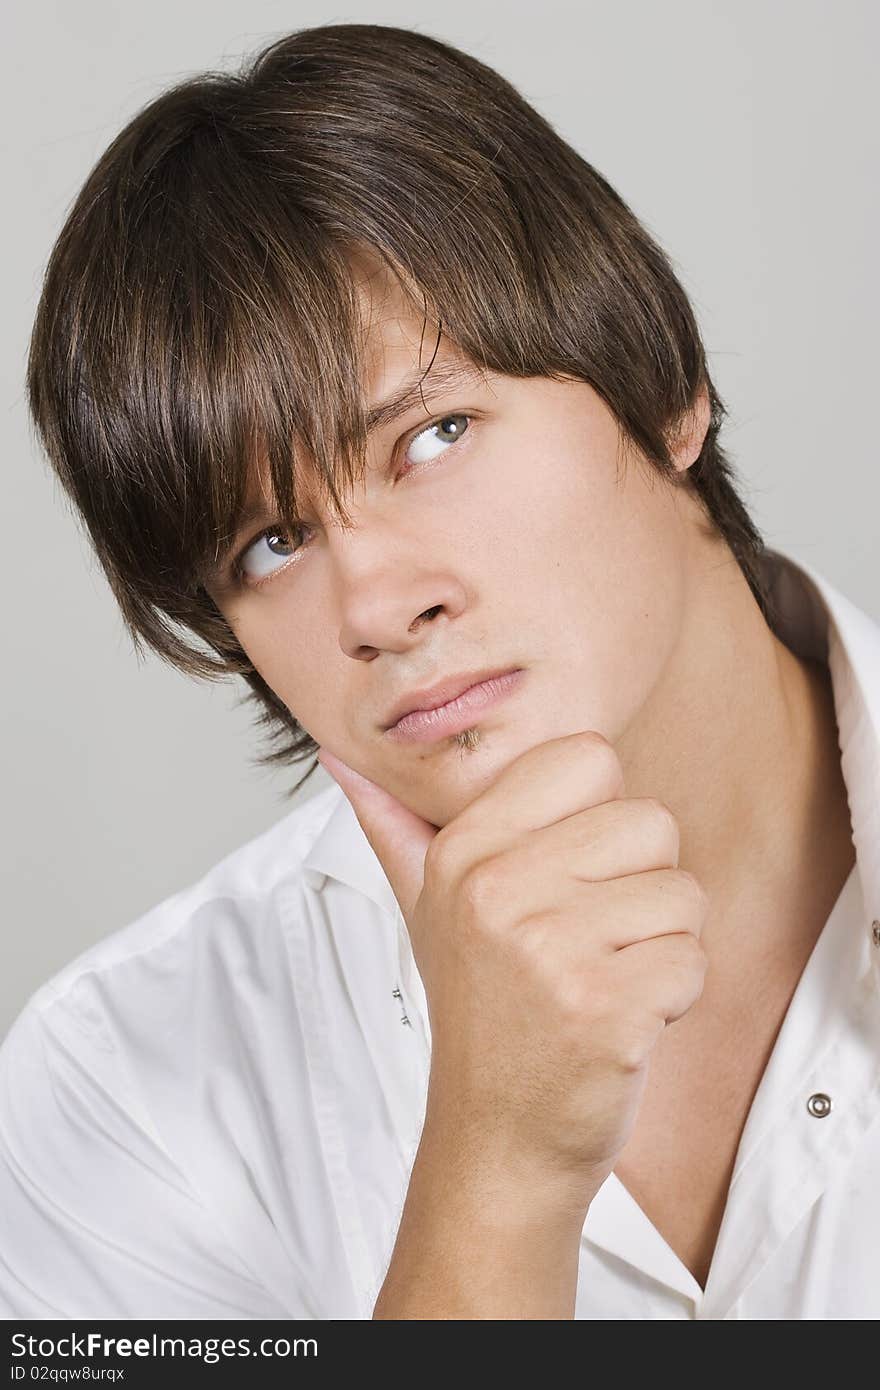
point(253, 564)
point(433, 435)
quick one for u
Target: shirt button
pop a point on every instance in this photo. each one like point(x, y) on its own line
point(875, 932)
point(819, 1105)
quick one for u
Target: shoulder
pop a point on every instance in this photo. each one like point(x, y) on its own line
point(156, 1124)
point(169, 1002)
point(232, 898)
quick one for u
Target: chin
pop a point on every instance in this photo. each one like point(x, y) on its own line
point(438, 790)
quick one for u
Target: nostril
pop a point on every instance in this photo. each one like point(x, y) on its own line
point(428, 613)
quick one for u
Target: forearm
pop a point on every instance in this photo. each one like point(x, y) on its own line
point(472, 1248)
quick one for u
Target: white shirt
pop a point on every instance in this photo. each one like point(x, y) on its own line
point(213, 1112)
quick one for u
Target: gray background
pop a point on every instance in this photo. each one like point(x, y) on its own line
point(743, 134)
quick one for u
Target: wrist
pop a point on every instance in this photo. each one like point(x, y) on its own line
point(501, 1190)
point(475, 1242)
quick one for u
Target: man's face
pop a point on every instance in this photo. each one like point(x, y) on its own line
point(509, 511)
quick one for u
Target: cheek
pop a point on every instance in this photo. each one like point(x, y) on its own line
point(607, 527)
point(627, 614)
point(592, 565)
point(544, 527)
point(524, 512)
point(275, 650)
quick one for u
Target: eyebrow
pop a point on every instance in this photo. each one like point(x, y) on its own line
point(445, 376)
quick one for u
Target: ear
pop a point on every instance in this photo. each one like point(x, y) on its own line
point(688, 438)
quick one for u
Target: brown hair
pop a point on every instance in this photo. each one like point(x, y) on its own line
point(199, 305)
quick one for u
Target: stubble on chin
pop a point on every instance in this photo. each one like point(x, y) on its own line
point(467, 740)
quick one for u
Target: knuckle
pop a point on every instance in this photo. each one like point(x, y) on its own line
point(692, 886)
point(657, 828)
point(660, 811)
point(683, 970)
point(689, 953)
point(532, 941)
point(633, 1044)
point(443, 855)
point(592, 737)
point(690, 969)
point(482, 886)
point(598, 748)
point(570, 1005)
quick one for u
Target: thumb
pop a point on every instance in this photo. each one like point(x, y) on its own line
point(399, 838)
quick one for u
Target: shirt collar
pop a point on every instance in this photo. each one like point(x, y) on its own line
point(814, 620)
point(342, 851)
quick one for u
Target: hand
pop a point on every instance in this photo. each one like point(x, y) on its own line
point(556, 938)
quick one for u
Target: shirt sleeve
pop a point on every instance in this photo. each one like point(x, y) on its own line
point(96, 1219)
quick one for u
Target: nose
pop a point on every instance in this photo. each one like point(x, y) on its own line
point(389, 594)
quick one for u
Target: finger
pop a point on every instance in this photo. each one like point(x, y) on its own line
point(574, 921)
point(398, 837)
point(544, 784)
point(615, 838)
point(666, 972)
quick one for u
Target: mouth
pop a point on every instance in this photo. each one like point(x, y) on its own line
point(429, 725)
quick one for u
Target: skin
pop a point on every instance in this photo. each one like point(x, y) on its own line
point(549, 544)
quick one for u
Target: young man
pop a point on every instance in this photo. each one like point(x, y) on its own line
point(565, 1002)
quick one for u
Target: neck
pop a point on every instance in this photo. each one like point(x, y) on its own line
point(740, 740)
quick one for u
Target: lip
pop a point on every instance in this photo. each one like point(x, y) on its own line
point(454, 707)
point(433, 696)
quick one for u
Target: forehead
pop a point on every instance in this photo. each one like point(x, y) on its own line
point(406, 359)
point(396, 338)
